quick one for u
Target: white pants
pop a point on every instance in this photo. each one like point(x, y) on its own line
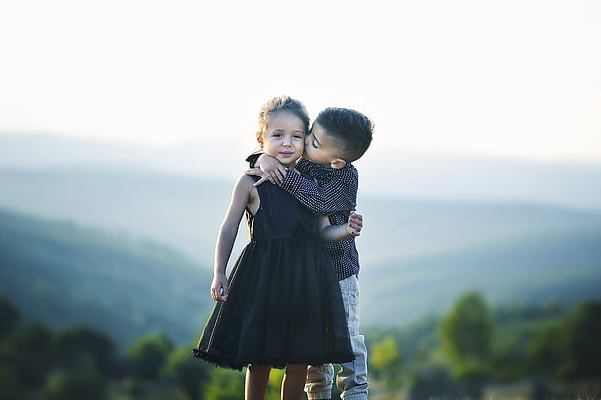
point(352, 377)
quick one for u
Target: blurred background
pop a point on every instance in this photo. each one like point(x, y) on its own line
point(124, 124)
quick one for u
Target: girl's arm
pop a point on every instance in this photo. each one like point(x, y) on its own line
point(336, 233)
point(241, 197)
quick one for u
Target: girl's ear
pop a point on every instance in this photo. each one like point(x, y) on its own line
point(337, 163)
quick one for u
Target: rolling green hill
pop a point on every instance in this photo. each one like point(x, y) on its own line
point(61, 273)
point(181, 212)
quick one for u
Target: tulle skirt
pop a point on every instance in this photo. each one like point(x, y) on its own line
point(284, 307)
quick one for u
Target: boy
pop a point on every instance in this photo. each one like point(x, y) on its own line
point(338, 137)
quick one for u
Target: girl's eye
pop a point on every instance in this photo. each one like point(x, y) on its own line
point(298, 137)
point(314, 145)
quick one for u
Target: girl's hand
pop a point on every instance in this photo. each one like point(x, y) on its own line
point(219, 288)
point(355, 224)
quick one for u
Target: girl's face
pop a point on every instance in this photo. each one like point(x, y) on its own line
point(284, 137)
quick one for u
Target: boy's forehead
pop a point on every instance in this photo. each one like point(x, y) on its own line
point(318, 128)
point(321, 135)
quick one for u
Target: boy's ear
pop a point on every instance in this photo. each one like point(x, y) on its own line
point(337, 163)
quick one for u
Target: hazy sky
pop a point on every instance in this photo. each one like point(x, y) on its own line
point(507, 78)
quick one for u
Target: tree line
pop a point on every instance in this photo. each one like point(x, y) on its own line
point(456, 355)
point(554, 348)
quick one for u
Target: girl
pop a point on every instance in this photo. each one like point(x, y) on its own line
point(281, 306)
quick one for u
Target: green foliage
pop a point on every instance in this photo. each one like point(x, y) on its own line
point(275, 382)
point(547, 350)
point(430, 380)
point(224, 384)
point(82, 347)
point(275, 377)
point(11, 386)
point(385, 361)
point(472, 370)
point(516, 328)
point(466, 331)
point(188, 372)
point(583, 341)
point(9, 316)
point(133, 388)
point(76, 385)
point(385, 354)
point(508, 354)
point(148, 355)
point(528, 341)
point(28, 349)
point(570, 349)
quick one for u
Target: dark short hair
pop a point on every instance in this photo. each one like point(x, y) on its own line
point(281, 104)
point(350, 130)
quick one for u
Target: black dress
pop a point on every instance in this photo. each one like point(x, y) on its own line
point(284, 302)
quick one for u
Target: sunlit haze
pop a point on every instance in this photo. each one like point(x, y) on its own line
point(514, 78)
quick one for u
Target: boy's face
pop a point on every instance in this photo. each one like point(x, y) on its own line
point(319, 148)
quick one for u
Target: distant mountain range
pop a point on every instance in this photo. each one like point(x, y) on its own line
point(546, 268)
point(185, 212)
point(383, 172)
point(421, 246)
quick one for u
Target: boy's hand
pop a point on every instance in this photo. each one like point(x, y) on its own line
point(355, 224)
point(268, 168)
point(219, 288)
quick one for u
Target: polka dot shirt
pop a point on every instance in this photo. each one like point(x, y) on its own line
point(331, 192)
